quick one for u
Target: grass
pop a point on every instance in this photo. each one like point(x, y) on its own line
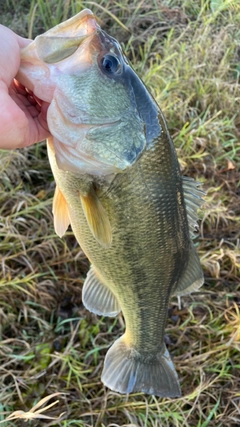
point(187, 52)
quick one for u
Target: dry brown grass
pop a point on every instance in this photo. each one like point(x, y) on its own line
point(189, 57)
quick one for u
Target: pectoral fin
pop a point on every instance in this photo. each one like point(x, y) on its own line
point(97, 297)
point(60, 213)
point(97, 219)
point(192, 278)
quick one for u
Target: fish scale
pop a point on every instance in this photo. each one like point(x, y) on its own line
point(119, 185)
point(135, 244)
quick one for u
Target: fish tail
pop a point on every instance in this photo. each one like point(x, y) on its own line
point(126, 371)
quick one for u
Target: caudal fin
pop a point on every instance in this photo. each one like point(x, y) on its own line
point(126, 371)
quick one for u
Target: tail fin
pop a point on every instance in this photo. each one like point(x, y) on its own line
point(125, 370)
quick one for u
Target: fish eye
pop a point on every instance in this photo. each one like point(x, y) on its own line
point(110, 64)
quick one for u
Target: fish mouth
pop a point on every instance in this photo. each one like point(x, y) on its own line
point(43, 60)
point(37, 107)
point(63, 40)
point(36, 78)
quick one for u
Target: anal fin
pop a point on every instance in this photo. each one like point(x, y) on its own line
point(192, 278)
point(60, 213)
point(97, 219)
point(98, 298)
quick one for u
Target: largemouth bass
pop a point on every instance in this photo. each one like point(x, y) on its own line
point(119, 185)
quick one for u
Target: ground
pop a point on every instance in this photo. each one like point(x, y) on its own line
point(188, 54)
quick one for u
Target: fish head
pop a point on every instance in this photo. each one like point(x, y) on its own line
point(93, 114)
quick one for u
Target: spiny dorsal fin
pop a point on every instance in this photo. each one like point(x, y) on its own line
point(97, 219)
point(97, 297)
point(193, 197)
point(60, 213)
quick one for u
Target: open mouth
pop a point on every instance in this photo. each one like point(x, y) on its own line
point(32, 104)
point(32, 99)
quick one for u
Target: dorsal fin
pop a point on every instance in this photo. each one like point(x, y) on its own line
point(60, 213)
point(193, 197)
point(97, 218)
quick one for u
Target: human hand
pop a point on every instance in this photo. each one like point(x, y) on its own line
point(22, 115)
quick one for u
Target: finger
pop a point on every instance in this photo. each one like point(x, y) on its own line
point(10, 49)
point(22, 42)
point(21, 125)
point(13, 123)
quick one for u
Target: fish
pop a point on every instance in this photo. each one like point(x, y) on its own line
point(120, 187)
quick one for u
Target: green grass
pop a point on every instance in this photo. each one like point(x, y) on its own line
point(187, 52)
